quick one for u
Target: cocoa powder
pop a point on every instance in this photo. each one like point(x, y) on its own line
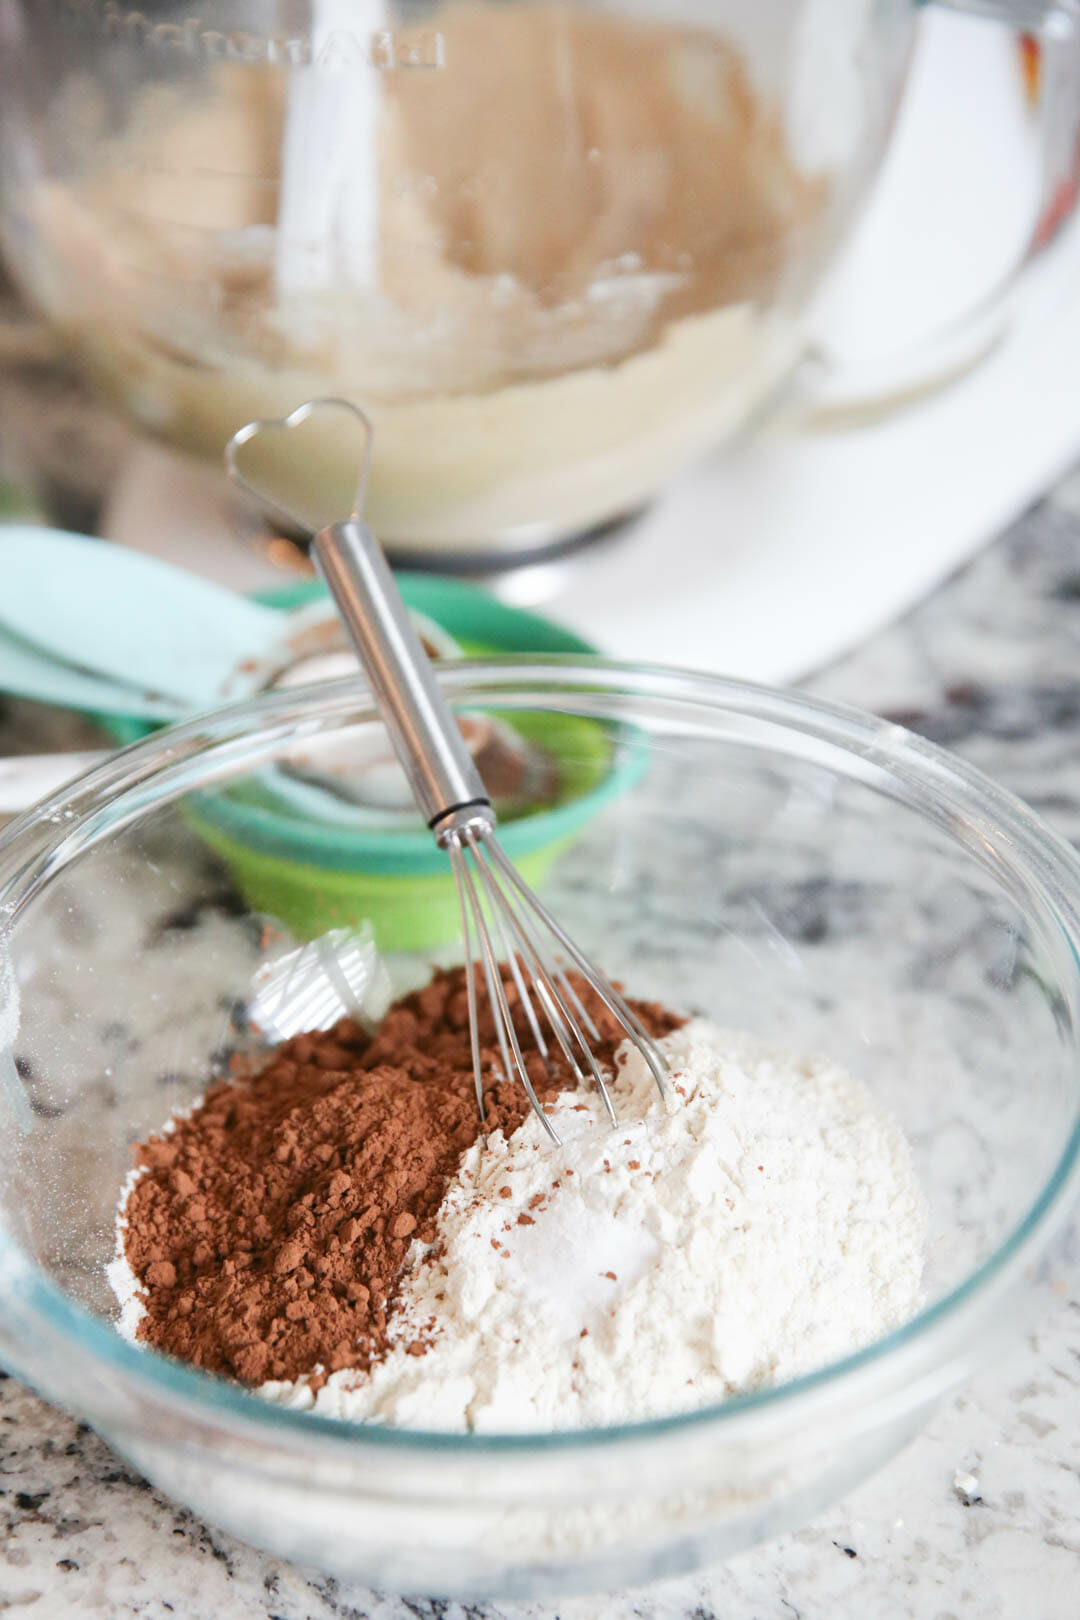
point(269, 1229)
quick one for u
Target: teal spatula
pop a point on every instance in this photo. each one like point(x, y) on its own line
point(95, 626)
point(26, 671)
point(81, 616)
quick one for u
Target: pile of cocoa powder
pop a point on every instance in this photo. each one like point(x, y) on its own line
point(270, 1227)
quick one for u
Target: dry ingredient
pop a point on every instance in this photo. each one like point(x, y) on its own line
point(340, 1231)
point(268, 1229)
point(764, 1223)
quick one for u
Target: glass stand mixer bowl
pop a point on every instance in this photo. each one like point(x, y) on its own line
point(556, 251)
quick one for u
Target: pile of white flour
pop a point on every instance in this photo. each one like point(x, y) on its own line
point(763, 1222)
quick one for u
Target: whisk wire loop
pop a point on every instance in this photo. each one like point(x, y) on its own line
point(596, 981)
point(559, 1016)
point(490, 897)
point(510, 956)
point(509, 1045)
point(457, 861)
point(564, 1025)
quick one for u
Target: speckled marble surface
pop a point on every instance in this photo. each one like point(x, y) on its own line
point(979, 1516)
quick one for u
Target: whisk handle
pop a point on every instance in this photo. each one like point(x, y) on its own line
point(424, 733)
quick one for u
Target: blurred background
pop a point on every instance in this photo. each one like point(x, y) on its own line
point(718, 334)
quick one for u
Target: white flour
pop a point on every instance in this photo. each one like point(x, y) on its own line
point(122, 1280)
point(765, 1222)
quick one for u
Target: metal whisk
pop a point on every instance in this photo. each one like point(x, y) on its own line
point(499, 912)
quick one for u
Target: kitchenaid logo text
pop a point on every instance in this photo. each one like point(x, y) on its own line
point(390, 50)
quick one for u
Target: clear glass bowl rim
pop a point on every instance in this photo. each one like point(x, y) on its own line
point(928, 779)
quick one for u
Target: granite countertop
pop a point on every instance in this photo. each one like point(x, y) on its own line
point(979, 1516)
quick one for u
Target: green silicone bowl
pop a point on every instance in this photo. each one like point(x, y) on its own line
point(314, 875)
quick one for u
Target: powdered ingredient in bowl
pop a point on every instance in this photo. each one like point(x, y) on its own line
point(340, 1230)
point(766, 1222)
point(270, 1227)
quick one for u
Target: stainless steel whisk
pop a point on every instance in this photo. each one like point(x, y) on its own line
point(499, 912)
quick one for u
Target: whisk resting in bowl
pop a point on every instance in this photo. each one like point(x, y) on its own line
point(500, 915)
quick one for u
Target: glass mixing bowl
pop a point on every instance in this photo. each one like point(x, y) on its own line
point(800, 870)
